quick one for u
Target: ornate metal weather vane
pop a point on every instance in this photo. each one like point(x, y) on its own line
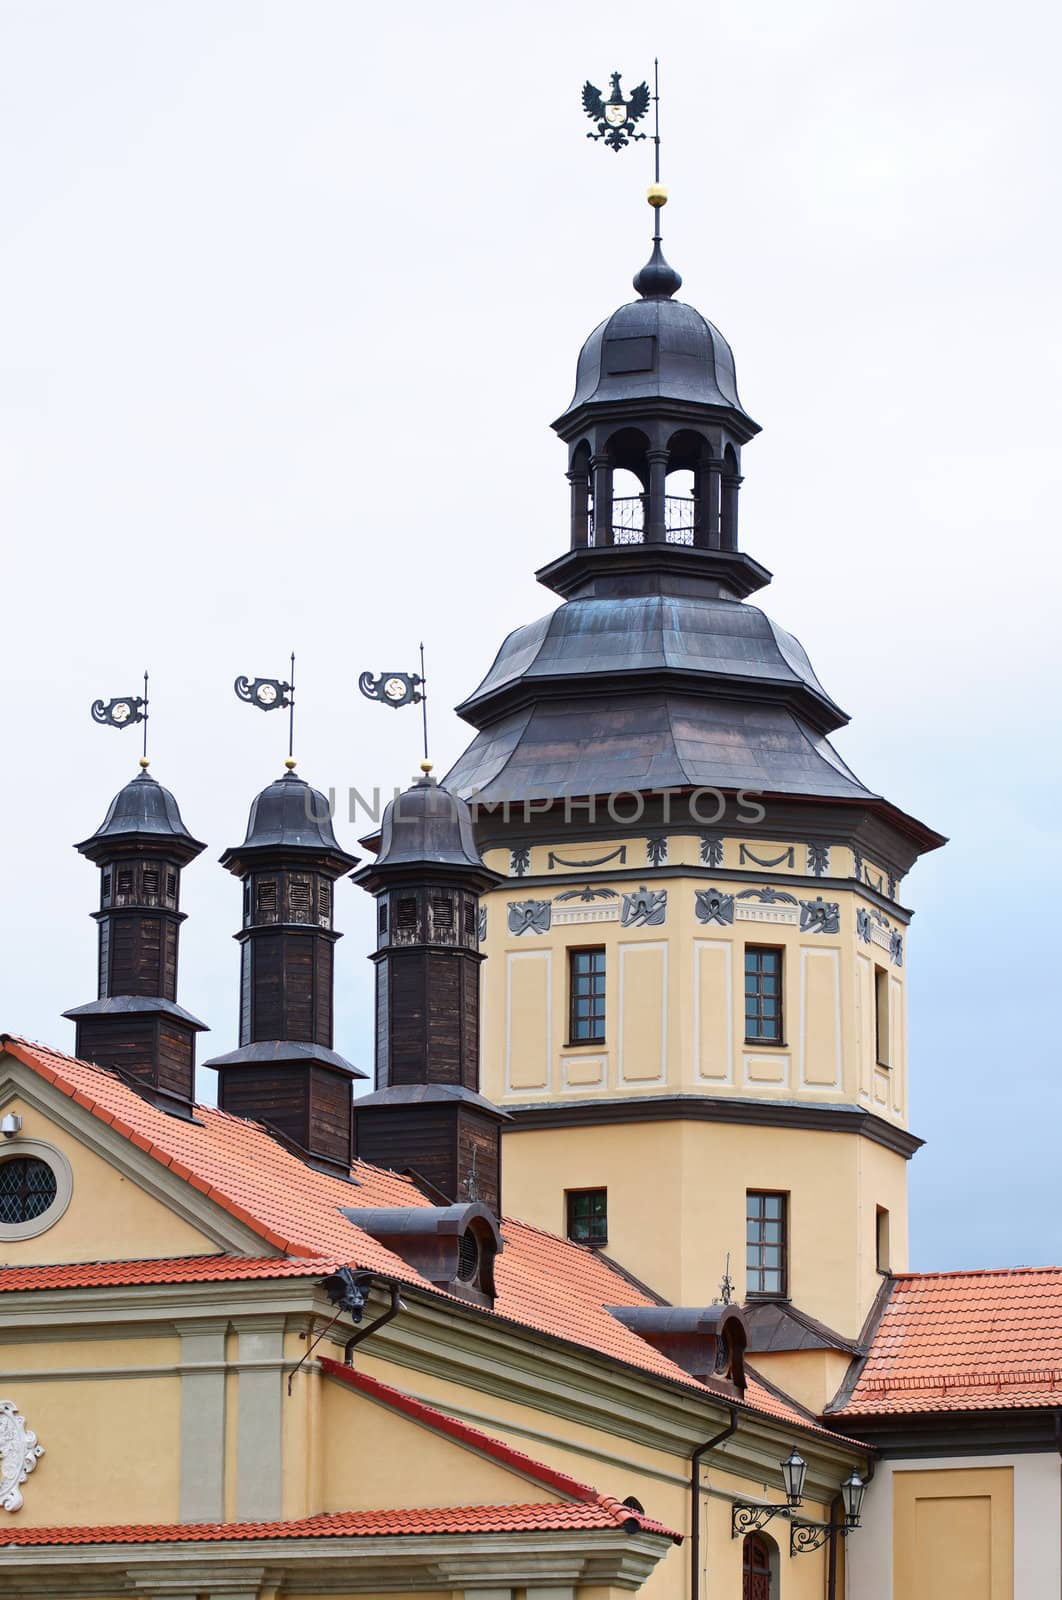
point(615, 117)
point(272, 694)
point(123, 711)
point(397, 689)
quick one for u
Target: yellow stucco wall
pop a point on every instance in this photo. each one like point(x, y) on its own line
point(675, 992)
point(109, 1218)
point(676, 1203)
point(953, 1534)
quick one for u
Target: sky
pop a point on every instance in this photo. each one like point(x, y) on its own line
point(290, 295)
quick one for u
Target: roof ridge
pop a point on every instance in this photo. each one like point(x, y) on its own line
point(973, 1272)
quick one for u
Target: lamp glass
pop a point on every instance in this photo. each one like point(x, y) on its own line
point(794, 1471)
point(852, 1492)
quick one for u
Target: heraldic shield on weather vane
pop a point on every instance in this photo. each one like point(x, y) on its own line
point(615, 117)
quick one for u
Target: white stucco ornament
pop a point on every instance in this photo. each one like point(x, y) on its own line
point(19, 1454)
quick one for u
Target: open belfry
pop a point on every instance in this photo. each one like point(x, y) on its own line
point(600, 1285)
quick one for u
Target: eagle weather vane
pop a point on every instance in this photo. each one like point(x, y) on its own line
point(615, 117)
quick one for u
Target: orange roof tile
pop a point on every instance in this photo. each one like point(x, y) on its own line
point(544, 1282)
point(554, 1517)
point(173, 1269)
point(965, 1341)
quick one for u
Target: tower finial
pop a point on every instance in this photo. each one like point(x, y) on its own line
point(658, 279)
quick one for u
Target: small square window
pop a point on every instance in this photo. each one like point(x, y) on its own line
point(588, 1216)
point(766, 1244)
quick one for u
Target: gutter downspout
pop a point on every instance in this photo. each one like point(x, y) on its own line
point(363, 1333)
point(695, 1498)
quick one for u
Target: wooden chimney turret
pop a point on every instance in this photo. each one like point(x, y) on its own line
point(427, 1116)
point(285, 1072)
point(135, 1026)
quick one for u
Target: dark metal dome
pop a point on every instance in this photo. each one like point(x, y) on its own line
point(289, 815)
point(656, 348)
point(142, 812)
point(427, 824)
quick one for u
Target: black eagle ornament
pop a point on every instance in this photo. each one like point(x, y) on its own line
point(615, 117)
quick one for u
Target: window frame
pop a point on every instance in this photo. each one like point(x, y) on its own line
point(594, 1041)
point(762, 1244)
point(882, 1017)
point(38, 1150)
point(760, 950)
point(573, 1195)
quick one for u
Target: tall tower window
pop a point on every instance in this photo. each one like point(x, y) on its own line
point(766, 1244)
point(883, 1243)
point(588, 1216)
point(763, 994)
point(881, 1016)
point(586, 986)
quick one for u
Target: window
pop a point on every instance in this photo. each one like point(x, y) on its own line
point(882, 1243)
point(267, 897)
point(881, 1016)
point(756, 1568)
point(407, 915)
point(442, 914)
point(151, 883)
point(763, 995)
point(381, 921)
point(299, 899)
point(27, 1189)
point(171, 886)
point(765, 1244)
point(588, 1216)
point(586, 984)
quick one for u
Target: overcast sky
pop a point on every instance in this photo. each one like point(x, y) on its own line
point(290, 294)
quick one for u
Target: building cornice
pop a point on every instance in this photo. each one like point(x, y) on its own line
point(848, 1119)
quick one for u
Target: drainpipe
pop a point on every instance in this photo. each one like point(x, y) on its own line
point(695, 1496)
point(363, 1333)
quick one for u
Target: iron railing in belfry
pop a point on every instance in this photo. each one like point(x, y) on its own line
point(628, 520)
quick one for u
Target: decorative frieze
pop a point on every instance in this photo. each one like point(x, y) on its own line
point(482, 928)
point(573, 914)
point(712, 849)
point(820, 916)
point(647, 908)
point(19, 1454)
point(588, 892)
point(519, 860)
point(818, 859)
point(619, 855)
point(712, 905)
point(529, 916)
point(656, 849)
point(787, 915)
point(787, 857)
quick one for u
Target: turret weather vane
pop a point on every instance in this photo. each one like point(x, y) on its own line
point(615, 117)
point(123, 711)
point(397, 689)
point(272, 694)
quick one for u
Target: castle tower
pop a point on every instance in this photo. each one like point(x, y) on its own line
point(285, 1072)
point(695, 1004)
point(135, 1026)
point(427, 1116)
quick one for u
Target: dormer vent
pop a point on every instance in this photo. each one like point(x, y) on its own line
point(454, 1247)
point(708, 1342)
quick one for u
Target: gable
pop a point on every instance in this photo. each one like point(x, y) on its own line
point(373, 1455)
point(113, 1200)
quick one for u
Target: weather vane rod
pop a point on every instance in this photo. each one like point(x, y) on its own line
point(424, 703)
point(124, 711)
point(272, 694)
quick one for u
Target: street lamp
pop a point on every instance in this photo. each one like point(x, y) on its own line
point(747, 1516)
point(805, 1536)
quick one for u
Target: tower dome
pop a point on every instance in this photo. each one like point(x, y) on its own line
point(289, 815)
point(142, 812)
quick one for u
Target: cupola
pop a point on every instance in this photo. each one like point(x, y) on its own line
point(654, 433)
point(135, 1025)
point(285, 1072)
point(427, 1116)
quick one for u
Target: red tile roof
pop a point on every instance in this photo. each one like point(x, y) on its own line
point(544, 1282)
point(170, 1269)
point(547, 1517)
point(965, 1341)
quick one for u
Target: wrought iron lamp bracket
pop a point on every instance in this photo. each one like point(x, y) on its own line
point(807, 1536)
point(749, 1518)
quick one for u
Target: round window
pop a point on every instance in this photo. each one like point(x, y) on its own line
point(27, 1189)
point(35, 1188)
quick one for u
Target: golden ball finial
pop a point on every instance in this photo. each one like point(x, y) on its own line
point(289, 762)
point(657, 196)
point(145, 763)
point(425, 766)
